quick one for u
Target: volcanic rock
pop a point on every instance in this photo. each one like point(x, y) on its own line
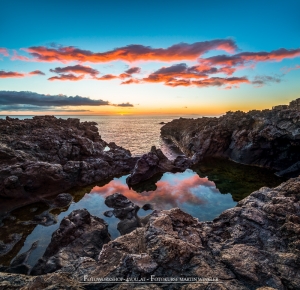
point(268, 138)
point(153, 163)
point(79, 235)
point(252, 246)
point(46, 155)
point(255, 244)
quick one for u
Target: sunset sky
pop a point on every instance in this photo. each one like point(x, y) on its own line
point(147, 57)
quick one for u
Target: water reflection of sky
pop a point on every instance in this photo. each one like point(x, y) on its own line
point(194, 195)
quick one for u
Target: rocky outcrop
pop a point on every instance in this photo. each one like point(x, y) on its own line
point(153, 163)
point(79, 235)
point(268, 138)
point(45, 156)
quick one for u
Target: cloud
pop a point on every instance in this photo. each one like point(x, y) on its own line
point(124, 105)
point(4, 51)
point(11, 74)
point(262, 80)
point(218, 82)
point(16, 56)
point(80, 69)
point(8, 98)
point(167, 74)
point(133, 70)
point(36, 108)
point(66, 77)
point(130, 53)
point(130, 81)
point(37, 72)
point(250, 58)
point(107, 77)
point(288, 69)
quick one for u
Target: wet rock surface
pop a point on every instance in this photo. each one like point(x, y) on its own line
point(154, 163)
point(255, 244)
point(80, 235)
point(46, 155)
point(268, 138)
point(252, 246)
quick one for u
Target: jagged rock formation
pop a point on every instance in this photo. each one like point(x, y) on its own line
point(255, 245)
point(80, 234)
point(153, 163)
point(268, 138)
point(45, 156)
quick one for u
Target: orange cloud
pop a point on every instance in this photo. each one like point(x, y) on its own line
point(11, 74)
point(218, 82)
point(106, 77)
point(245, 58)
point(66, 77)
point(130, 53)
point(167, 194)
point(37, 72)
point(130, 81)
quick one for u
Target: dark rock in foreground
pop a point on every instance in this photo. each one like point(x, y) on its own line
point(153, 163)
point(79, 235)
point(268, 138)
point(255, 245)
point(45, 156)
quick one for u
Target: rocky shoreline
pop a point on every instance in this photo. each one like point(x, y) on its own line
point(268, 138)
point(256, 244)
point(45, 156)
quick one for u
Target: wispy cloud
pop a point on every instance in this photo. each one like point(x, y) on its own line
point(124, 105)
point(106, 77)
point(37, 72)
point(11, 74)
point(66, 77)
point(286, 70)
point(4, 51)
point(243, 59)
point(260, 81)
point(76, 69)
point(130, 53)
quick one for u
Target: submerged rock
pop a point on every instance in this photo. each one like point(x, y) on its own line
point(46, 155)
point(79, 235)
point(19, 264)
point(153, 163)
point(268, 138)
point(126, 211)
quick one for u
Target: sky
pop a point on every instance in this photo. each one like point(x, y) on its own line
point(147, 57)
